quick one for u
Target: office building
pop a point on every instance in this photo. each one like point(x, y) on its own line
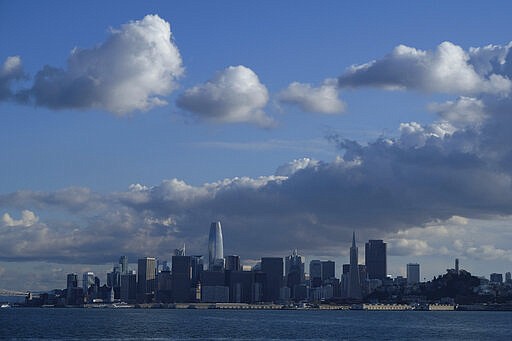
point(233, 263)
point(197, 268)
point(273, 268)
point(88, 285)
point(240, 286)
point(328, 270)
point(181, 279)
point(180, 252)
point(213, 287)
point(146, 279)
point(215, 294)
point(128, 287)
point(508, 277)
point(215, 248)
point(413, 273)
point(294, 263)
point(72, 280)
point(496, 278)
point(87, 280)
point(73, 295)
point(123, 264)
point(315, 273)
point(294, 271)
point(345, 269)
point(375, 259)
point(354, 283)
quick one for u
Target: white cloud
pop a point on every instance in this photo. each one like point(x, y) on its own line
point(28, 218)
point(403, 247)
point(295, 166)
point(234, 95)
point(132, 70)
point(447, 69)
point(465, 111)
point(10, 71)
point(323, 99)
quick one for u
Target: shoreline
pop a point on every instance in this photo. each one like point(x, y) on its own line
point(274, 307)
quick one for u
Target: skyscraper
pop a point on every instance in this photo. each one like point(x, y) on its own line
point(181, 278)
point(72, 285)
point(413, 273)
point(294, 271)
point(146, 278)
point(328, 270)
point(87, 280)
point(128, 287)
point(197, 268)
point(233, 263)
point(354, 285)
point(123, 263)
point(215, 247)
point(315, 273)
point(273, 268)
point(375, 259)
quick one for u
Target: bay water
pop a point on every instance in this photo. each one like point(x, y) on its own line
point(190, 324)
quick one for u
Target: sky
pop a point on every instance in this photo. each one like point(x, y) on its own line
point(127, 127)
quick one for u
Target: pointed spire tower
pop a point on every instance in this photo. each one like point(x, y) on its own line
point(354, 284)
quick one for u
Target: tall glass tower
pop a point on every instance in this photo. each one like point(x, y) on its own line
point(215, 248)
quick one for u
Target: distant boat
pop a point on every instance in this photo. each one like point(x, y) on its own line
point(5, 305)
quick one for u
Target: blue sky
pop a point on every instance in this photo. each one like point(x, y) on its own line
point(70, 161)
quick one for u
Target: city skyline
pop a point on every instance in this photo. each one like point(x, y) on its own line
point(274, 280)
point(128, 126)
point(294, 265)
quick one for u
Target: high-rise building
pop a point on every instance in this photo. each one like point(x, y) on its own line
point(180, 252)
point(197, 268)
point(128, 287)
point(294, 263)
point(146, 279)
point(240, 286)
point(413, 273)
point(273, 268)
point(294, 271)
point(87, 280)
point(496, 278)
point(375, 259)
point(215, 248)
point(345, 270)
point(123, 264)
point(233, 263)
point(72, 280)
point(181, 278)
point(508, 277)
point(328, 270)
point(72, 296)
point(114, 277)
point(354, 284)
point(315, 273)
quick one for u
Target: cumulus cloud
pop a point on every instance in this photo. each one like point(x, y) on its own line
point(323, 99)
point(296, 165)
point(460, 165)
point(233, 95)
point(132, 70)
point(10, 71)
point(463, 112)
point(28, 218)
point(447, 69)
